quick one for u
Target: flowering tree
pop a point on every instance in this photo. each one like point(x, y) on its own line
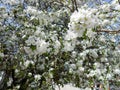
point(45, 43)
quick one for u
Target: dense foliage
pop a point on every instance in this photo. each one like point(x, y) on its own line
point(45, 43)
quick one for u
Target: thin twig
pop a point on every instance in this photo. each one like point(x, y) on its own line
point(73, 8)
point(109, 31)
point(76, 7)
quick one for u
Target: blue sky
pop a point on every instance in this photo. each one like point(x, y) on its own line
point(108, 0)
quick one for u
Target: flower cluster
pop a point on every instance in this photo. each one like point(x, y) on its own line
point(83, 19)
point(49, 48)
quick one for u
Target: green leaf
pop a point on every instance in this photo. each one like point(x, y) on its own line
point(33, 47)
point(84, 34)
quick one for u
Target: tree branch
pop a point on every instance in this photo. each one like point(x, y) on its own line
point(73, 8)
point(75, 5)
point(119, 1)
point(109, 31)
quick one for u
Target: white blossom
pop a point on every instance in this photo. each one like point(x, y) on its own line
point(37, 77)
point(74, 54)
point(31, 40)
point(68, 46)
point(83, 19)
point(28, 62)
point(70, 35)
point(93, 53)
point(67, 87)
point(28, 51)
point(42, 46)
point(105, 22)
point(57, 49)
point(10, 82)
point(81, 69)
point(57, 46)
point(117, 71)
point(90, 34)
point(109, 76)
point(1, 54)
point(88, 88)
point(73, 66)
point(31, 9)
